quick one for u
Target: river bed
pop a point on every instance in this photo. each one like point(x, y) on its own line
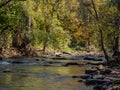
point(38, 75)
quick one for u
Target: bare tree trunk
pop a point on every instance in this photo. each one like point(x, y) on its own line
point(44, 46)
point(29, 23)
point(26, 40)
point(116, 49)
point(102, 45)
point(101, 33)
point(45, 43)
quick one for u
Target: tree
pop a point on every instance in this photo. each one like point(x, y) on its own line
point(4, 3)
point(44, 23)
point(116, 53)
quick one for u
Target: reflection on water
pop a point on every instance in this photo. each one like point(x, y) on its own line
point(36, 77)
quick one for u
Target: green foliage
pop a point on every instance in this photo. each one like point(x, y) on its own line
point(11, 17)
point(59, 24)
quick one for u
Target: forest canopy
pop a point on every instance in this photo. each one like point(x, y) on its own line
point(61, 25)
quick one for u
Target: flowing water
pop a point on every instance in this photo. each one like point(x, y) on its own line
point(38, 75)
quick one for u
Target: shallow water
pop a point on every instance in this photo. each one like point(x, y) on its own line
point(35, 76)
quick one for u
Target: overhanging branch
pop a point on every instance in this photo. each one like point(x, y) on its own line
point(5, 3)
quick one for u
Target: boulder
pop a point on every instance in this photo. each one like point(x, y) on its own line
point(114, 80)
point(85, 76)
point(96, 82)
point(101, 77)
point(93, 58)
point(96, 63)
point(89, 58)
point(17, 62)
point(81, 81)
point(99, 87)
point(106, 71)
point(37, 59)
point(101, 67)
point(7, 71)
point(71, 63)
point(91, 71)
point(115, 88)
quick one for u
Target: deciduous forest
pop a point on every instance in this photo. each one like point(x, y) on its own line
point(56, 27)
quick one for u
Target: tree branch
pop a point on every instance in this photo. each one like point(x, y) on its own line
point(5, 3)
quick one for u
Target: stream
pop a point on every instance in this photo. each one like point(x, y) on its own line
point(41, 74)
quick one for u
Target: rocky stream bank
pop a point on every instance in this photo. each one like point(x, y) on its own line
point(99, 75)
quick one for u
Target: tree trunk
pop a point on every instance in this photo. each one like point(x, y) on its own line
point(101, 32)
point(102, 45)
point(45, 43)
point(44, 46)
point(116, 53)
point(29, 23)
